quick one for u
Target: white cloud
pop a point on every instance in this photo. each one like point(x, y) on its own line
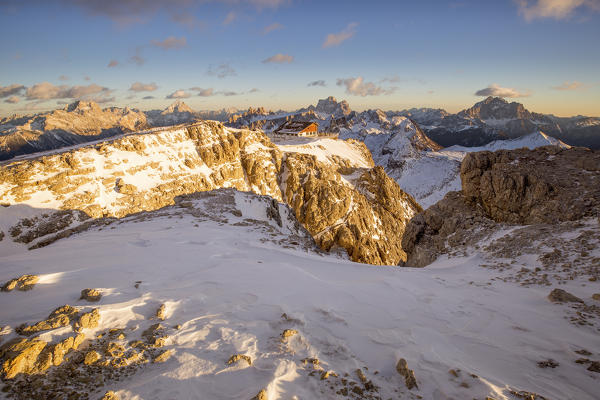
point(12, 100)
point(279, 59)
point(273, 27)
point(63, 78)
point(557, 9)
point(335, 39)
point(143, 87)
point(203, 92)
point(170, 43)
point(179, 94)
point(358, 87)
point(47, 91)
point(10, 90)
point(575, 85)
point(498, 91)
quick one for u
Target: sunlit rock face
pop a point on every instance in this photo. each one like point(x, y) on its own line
point(343, 201)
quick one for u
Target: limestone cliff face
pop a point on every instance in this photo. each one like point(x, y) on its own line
point(341, 204)
point(547, 185)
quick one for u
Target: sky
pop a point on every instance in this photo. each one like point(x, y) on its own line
point(287, 54)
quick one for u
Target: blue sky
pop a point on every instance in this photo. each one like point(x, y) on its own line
point(236, 53)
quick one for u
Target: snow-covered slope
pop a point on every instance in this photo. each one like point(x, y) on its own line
point(232, 281)
point(531, 141)
point(332, 185)
point(428, 176)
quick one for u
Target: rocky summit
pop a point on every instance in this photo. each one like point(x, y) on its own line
point(341, 198)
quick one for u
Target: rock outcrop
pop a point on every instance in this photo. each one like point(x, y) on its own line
point(340, 203)
point(542, 186)
point(90, 295)
point(23, 283)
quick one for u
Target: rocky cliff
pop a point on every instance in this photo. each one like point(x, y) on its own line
point(548, 185)
point(342, 202)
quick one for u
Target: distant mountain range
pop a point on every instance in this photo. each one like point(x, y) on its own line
point(496, 119)
point(487, 121)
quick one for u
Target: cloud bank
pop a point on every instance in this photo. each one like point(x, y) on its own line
point(498, 91)
point(557, 9)
point(10, 90)
point(48, 91)
point(143, 87)
point(178, 94)
point(358, 87)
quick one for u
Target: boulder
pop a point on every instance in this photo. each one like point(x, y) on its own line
point(91, 295)
point(562, 296)
point(23, 283)
point(408, 374)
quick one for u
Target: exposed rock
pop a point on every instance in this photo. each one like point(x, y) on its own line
point(24, 282)
point(90, 295)
point(550, 363)
point(62, 316)
point(154, 336)
point(364, 213)
point(544, 185)
point(594, 366)
point(162, 357)
point(326, 374)
point(110, 395)
point(447, 223)
point(262, 395)
point(89, 320)
point(522, 394)
point(59, 350)
point(21, 356)
point(313, 361)
point(596, 296)
point(236, 357)
point(361, 376)
point(408, 374)
point(288, 333)
point(161, 312)
point(562, 296)
point(91, 357)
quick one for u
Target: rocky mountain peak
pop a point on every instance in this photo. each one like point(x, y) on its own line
point(496, 108)
point(178, 106)
point(82, 106)
point(331, 106)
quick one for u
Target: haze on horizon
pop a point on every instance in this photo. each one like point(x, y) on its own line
point(286, 54)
